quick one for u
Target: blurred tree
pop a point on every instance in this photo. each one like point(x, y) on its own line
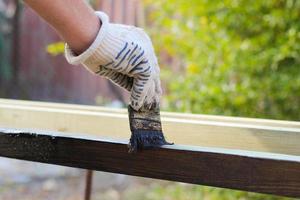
point(9, 47)
point(232, 57)
point(5, 34)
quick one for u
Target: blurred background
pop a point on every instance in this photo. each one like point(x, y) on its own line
point(221, 57)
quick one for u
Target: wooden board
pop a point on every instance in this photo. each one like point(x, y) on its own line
point(200, 130)
point(215, 118)
point(244, 170)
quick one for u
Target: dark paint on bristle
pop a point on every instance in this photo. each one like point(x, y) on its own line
point(146, 129)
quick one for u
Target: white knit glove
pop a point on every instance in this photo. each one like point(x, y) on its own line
point(125, 55)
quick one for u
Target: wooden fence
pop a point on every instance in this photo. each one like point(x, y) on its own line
point(247, 154)
point(32, 73)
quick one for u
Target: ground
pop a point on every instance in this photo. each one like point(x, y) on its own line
point(34, 181)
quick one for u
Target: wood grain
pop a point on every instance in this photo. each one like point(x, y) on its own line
point(189, 129)
point(243, 170)
point(215, 118)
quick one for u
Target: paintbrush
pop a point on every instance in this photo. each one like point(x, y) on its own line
point(146, 129)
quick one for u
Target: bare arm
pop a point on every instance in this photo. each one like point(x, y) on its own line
point(74, 20)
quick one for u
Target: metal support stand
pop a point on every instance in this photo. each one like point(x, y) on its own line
point(88, 184)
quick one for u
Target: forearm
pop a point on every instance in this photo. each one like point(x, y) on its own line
point(74, 20)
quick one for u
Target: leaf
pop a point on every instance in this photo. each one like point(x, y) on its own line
point(55, 49)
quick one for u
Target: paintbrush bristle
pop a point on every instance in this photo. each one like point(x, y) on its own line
point(146, 129)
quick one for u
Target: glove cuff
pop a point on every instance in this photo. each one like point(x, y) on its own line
point(103, 48)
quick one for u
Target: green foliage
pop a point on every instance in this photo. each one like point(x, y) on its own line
point(233, 57)
point(5, 43)
point(177, 191)
point(55, 49)
point(229, 57)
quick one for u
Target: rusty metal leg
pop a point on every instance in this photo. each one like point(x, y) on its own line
point(88, 184)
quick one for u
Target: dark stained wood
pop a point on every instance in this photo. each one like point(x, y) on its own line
point(250, 171)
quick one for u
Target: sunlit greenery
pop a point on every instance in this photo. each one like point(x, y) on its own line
point(177, 191)
point(232, 57)
point(229, 57)
point(55, 48)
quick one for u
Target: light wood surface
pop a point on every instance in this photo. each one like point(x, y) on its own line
point(254, 121)
point(189, 129)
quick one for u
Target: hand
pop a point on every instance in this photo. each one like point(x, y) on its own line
point(117, 78)
point(125, 55)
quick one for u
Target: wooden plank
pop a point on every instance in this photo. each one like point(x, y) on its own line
point(107, 6)
point(244, 170)
point(130, 12)
point(240, 120)
point(266, 135)
point(118, 11)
